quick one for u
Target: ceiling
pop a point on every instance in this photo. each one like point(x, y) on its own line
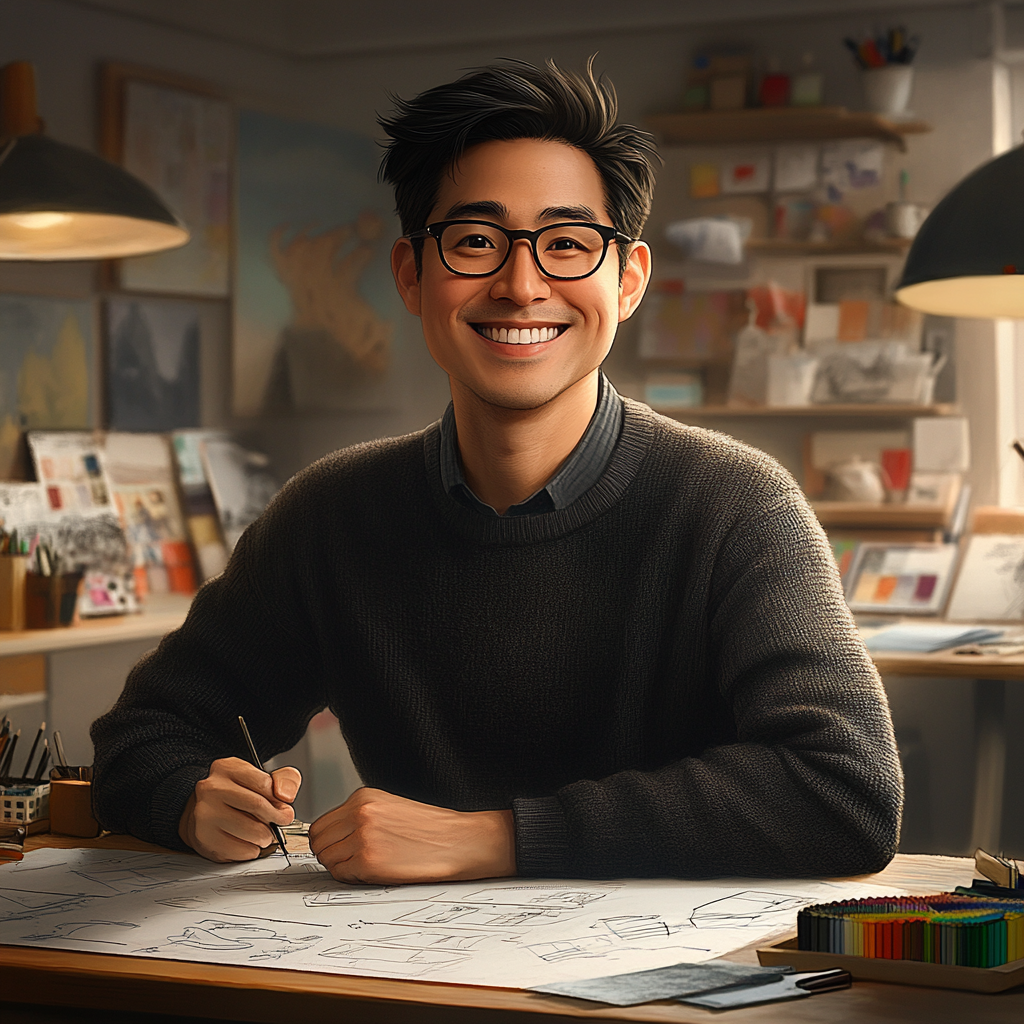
point(327, 28)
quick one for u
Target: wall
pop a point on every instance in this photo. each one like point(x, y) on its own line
point(954, 91)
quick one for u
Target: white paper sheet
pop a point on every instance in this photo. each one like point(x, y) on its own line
point(509, 933)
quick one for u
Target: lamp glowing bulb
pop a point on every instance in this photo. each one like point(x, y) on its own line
point(39, 221)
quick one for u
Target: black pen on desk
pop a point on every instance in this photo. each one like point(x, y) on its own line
point(1018, 448)
point(255, 758)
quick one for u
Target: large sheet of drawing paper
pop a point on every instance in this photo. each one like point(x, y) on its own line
point(512, 933)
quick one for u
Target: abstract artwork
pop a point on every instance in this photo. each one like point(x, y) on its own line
point(315, 304)
point(46, 352)
point(178, 141)
point(153, 355)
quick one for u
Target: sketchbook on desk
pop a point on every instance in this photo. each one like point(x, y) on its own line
point(511, 933)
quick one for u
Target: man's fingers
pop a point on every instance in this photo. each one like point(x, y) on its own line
point(332, 832)
point(286, 782)
point(244, 774)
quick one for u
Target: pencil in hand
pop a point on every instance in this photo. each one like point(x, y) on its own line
point(255, 758)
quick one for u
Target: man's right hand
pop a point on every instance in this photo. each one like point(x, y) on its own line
point(227, 817)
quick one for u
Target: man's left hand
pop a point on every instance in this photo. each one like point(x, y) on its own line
point(378, 837)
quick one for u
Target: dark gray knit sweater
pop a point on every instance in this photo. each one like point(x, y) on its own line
point(661, 679)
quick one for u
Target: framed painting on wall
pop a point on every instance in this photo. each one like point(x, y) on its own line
point(176, 135)
point(315, 306)
point(153, 357)
point(46, 371)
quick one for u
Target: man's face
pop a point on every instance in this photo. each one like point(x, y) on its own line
point(525, 184)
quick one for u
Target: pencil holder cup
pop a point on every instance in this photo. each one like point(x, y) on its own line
point(51, 600)
point(13, 569)
point(71, 802)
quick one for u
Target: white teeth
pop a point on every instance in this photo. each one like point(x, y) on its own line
point(517, 336)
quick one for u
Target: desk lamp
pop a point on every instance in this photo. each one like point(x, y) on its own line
point(968, 257)
point(59, 202)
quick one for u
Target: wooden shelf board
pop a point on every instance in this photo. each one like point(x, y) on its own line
point(898, 517)
point(158, 619)
point(745, 412)
point(780, 124)
point(791, 247)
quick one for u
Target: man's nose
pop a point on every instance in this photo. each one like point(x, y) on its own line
point(520, 280)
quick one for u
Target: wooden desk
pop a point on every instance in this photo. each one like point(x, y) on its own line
point(58, 978)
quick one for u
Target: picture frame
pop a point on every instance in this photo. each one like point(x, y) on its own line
point(901, 579)
point(145, 114)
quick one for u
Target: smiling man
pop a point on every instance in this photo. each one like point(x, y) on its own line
point(564, 636)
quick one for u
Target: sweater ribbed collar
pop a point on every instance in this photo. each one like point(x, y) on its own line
point(630, 450)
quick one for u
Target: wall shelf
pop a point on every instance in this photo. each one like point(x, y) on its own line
point(780, 124)
point(791, 247)
point(742, 411)
point(853, 514)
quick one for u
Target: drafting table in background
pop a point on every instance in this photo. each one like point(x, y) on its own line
point(990, 675)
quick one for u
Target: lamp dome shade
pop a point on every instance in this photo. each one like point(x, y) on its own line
point(968, 257)
point(59, 202)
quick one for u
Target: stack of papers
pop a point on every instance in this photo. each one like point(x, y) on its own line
point(924, 638)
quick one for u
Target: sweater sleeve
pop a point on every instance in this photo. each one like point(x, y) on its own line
point(810, 786)
point(243, 650)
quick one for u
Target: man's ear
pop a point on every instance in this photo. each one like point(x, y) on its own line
point(407, 280)
point(635, 279)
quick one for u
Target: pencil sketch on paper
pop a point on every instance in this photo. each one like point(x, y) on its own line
point(503, 933)
point(234, 941)
point(744, 910)
point(89, 933)
point(990, 585)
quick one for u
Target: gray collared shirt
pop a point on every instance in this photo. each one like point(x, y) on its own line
point(576, 475)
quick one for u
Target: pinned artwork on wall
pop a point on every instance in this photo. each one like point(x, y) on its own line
point(176, 135)
point(750, 172)
point(315, 304)
point(46, 359)
point(153, 364)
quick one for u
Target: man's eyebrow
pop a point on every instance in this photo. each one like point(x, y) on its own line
point(485, 208)
point(568, 213)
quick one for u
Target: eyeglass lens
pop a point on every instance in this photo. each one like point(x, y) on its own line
point(562, 251)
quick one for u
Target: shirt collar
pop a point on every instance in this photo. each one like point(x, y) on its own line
point(577, 474)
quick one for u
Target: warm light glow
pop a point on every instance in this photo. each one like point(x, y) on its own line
point(39, 221)
point(83, 236)
point(996, 296)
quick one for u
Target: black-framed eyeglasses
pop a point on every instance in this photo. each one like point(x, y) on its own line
point(478, 248)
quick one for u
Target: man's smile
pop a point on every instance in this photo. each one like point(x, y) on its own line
point(521, 335)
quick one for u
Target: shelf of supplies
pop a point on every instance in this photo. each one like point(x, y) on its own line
point(791, 247)
point(780, 124)
point(161, 616)
point(743, 411)
point(853, 514)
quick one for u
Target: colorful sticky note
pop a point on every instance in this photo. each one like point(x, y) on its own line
point(704, 181)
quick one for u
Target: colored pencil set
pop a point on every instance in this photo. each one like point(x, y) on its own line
point(965, 931)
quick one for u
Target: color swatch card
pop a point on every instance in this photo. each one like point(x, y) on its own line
point(901, 578)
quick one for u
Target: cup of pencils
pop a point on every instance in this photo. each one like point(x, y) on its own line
point(51, 595)
point(14, 561)
point(886, 64)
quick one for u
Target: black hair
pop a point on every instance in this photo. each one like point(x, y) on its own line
point(516, 100)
